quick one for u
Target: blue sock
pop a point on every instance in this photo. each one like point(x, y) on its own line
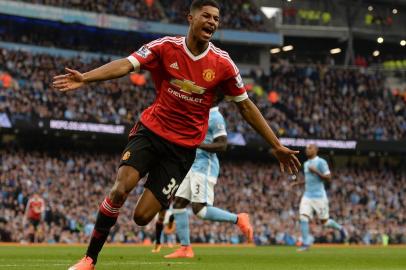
point(182, 226)
point(331, 223)
point(217, 214)
point(304, 227)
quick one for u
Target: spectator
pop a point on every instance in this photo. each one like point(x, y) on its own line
point(73, 183)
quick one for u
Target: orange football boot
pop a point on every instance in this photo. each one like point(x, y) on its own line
point(245, 226)
point(182, 252)
point(84, 264)
point(157, 248)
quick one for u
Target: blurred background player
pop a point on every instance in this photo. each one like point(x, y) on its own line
point(164, 230)
point(317, 175)
point(198, 188)
point(33, 214)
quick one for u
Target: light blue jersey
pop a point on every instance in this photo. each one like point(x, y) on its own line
point(314, 185)
point(207, 163)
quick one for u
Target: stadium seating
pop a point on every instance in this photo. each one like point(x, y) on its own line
point(315, 101)
point(237, 14)
point(135, 9)
point(73, 184)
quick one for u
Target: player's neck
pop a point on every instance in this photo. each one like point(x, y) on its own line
point(312, 157)
point(194, 46)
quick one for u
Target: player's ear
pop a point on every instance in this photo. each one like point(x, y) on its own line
point(190, 18)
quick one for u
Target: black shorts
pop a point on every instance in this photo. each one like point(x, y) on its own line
point(34, 222)
point(166, 163)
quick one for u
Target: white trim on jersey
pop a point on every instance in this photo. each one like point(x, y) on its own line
point(191, 55)
point(239, 98)
point(214, 109)
point(160, 41)
point(134, 61)
point(219, 134)
point(226, 56)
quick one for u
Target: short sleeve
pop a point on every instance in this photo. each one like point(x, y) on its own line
point(323, 167)
point(147, 57)
point(218, 126)
point(233, 85)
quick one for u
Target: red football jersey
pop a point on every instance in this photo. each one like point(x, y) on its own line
point(35, 208)
point(186, 86)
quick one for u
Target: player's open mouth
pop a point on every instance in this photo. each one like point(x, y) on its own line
point(208, 31)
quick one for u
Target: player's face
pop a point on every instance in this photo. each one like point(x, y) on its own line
point(311, 150)
point(204, 23)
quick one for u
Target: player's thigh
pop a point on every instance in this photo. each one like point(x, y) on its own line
point(146, 208)
point(321, 208)
point(140, 152)
point(305, 208)
point(184, 190)
point(199, 188)
point(167, 175)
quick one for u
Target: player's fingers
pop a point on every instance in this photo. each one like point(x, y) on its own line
point(296, 161)
point(289, 168)
point(59, 83)
point(72, 72)
point(282, 167)
point(59, 77)
point(293, 152)
point(65, 89)
point(293, 165)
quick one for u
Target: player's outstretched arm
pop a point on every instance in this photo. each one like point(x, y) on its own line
point(73, 79)
point(287, 157)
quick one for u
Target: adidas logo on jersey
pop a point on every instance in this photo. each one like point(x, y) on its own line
point(174, 65)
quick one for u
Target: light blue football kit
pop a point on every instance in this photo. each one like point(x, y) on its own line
point(198, 185)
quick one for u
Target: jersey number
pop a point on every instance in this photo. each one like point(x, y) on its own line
point(170, 188)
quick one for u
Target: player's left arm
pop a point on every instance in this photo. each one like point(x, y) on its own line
point(234, 90)
point(287, 157)
point(217, 126)
point(218, 145)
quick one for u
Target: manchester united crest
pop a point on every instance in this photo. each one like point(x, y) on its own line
point(126, 155)
point(209, 75)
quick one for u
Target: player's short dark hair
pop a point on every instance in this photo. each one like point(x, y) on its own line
point(198, 4)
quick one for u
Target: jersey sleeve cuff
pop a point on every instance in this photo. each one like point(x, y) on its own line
point(219, 134)
point(239, 98)
point(134, 61)
point(327, 173)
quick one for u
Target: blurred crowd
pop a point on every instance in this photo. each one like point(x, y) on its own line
point(73, 184)
point(31, 94)
point(139, 9)
point(237, 14)
point(317, 101)
point(339, 103)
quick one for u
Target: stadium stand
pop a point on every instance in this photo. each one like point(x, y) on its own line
point(72, 184)
point(312, 99)
point(138, 9)
point(240, 14)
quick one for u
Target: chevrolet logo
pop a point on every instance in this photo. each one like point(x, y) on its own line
point(188, 86)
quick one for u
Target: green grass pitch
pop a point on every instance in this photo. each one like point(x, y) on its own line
point(208, 258)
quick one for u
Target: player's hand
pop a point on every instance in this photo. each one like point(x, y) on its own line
point(287, 159)
point(313, 170)
point(70, 81)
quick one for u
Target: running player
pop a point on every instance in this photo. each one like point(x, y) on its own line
point(187, 73)
point(33, 215)
point(314, 200)
point(166, 224)
point(198, 188)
